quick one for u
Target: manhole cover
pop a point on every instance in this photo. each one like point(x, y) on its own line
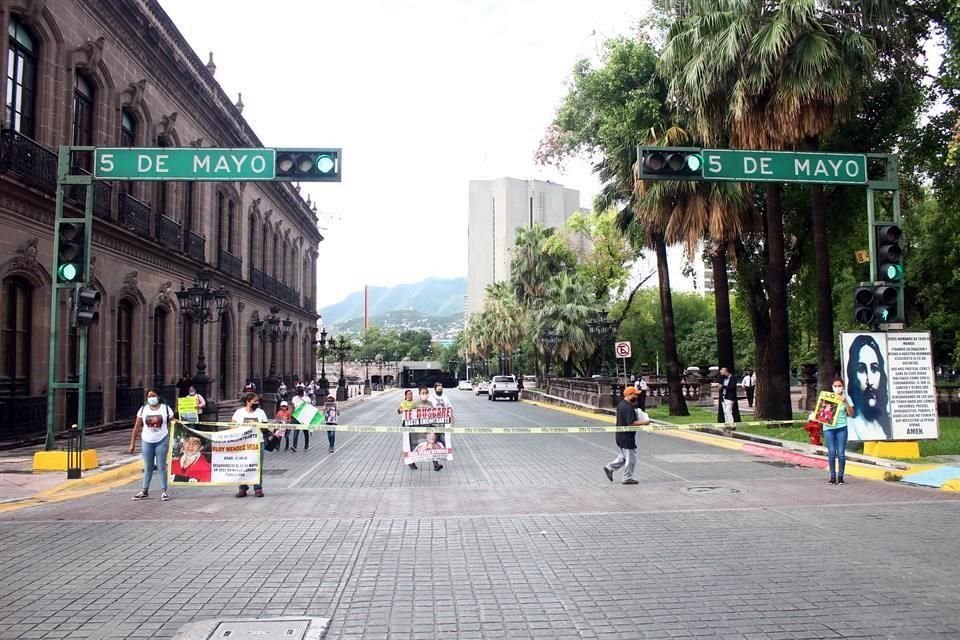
point(263, 630)
point(714, 491)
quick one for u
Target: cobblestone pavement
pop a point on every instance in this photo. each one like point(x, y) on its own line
point(520, 536)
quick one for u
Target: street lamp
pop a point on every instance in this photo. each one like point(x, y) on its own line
point(366, 375)
point(322, 342)
point(341, 348)
point(195, 307)
point(550, 341)
point(379, 360)
point(274, 330)
point(601, 329)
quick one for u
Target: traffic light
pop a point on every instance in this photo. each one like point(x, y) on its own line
point(662, 163)
point(863, 305)
point(308, 165)
point(889, 252)
point(71, 243)
point(85, 303)
point(875, 304)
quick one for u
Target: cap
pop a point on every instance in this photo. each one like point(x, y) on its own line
point(629, 392)
point(284, 404)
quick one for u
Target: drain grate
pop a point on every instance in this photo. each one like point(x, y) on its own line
point(262, 630)
point(713, 491)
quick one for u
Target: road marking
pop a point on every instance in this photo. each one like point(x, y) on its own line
point(320, 462)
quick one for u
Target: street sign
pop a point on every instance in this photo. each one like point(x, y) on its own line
point(622, 349)
point(784, 166)
point(190, 163)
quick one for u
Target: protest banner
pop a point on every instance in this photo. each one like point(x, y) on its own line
point(214, 457)
point(188, 409)
point(331, 413)
point(828, 408)
point(427, 445)
point(308, 417)
point(890, 383)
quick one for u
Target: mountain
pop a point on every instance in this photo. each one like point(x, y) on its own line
point(436, 297)
point(442, 328)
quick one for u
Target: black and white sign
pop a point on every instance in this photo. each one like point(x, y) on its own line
point(622, 349)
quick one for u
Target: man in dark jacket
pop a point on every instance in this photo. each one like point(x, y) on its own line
point(627, 416)
point(728, 410)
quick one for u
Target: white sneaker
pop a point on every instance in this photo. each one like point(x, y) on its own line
point(143, 495)
point(164, 496)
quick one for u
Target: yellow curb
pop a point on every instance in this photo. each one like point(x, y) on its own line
point(951, 485)
point(576, 412)
point(82, 487)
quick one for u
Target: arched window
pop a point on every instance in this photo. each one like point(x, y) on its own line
point(251, 352)
point(252, 245)
point(162, 190)
point(188, 222)
point(231, 210)
point(84, 95)
point(15, 336)
point(265, 239)
point(276, 255)
point(220, 213)
point(21, 79)
point(283, 263)
point(128, 138)
point(124, 343)
point(159, 346)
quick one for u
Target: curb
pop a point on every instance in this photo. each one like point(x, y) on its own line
point(576, 412)
point(101, 482)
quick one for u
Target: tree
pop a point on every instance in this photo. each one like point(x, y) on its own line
point(567, 306)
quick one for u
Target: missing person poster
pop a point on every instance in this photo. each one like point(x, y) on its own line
point(889, 380)
point(188, 409)
point(828, 405)
point(427, 445)
point(219, 457)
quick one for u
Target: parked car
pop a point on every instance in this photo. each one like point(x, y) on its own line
point(465, 386)
point(483, 387)
point(504, 387)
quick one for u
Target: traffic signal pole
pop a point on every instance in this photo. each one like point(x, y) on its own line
point(65, 179)
point(890, 183)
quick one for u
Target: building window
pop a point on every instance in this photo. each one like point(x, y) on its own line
point(83, 100)
point(15, 325)
point(128, 138)
point(21, 79)
point(187, 213)
point(276, 256)
point(187, 345)
point(283, 264)
point(159, 350)
point(230, 216)
point(219, 225)
point(251, 351)
point(252, 244)
point(265, 239)
point(124, 346)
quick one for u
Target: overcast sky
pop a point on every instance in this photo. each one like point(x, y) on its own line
point(423, 96)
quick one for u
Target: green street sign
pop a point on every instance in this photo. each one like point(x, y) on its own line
point(215, 165)
point(783, 166)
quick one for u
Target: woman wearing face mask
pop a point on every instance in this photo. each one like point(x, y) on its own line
point(201, 402)
point(836, 436)
point(152, 421)
point(251, 412)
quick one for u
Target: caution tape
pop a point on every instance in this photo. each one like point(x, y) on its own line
point(348, 428)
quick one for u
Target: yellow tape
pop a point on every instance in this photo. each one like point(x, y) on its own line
point(493, 430)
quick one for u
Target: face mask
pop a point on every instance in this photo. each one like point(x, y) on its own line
point(255, 406)
point(424, 397)
point(838, 390)
point(153, 401)
point(193, 393)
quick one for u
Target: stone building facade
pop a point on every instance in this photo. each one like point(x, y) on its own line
point(119, 73)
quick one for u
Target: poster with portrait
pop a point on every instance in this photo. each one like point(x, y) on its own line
point(890, 383)
point(431, 444)
point(188, 409)
point(331, 412)
point(209, 458)
point(827, 410)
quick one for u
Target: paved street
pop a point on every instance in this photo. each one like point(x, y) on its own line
point(520, 536)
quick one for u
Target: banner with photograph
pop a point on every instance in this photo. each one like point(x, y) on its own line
point(214, 457)
point(427, 445)
point(331, 412)
point(890, 382)
point(828, 408)
point(188, 409)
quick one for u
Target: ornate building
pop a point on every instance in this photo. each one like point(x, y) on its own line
point(119, 73)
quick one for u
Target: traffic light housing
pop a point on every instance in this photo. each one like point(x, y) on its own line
point(308, 165)
point(876, 303)
point(85, 303)
point(670, 163)
point(71, 251)
point(863, 304)
point(889, 262)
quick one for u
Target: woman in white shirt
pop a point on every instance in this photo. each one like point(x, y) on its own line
point(153, 421)
point(251, 412)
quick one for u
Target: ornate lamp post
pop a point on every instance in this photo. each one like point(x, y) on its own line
point(379, 360)
point(550, 341)
point(602, 330)
point(195, 307)
point(366, 375)
point(322, 343)
point(341, 348)
point(275, 330)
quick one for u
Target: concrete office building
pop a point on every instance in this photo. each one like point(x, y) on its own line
point(497, 209)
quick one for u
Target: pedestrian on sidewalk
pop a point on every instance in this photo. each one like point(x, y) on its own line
point(299, 397)
point(153, 423)
point(836, 436)
point(627, 415)
point(251, 412)
point(331, 415)
point(728, 411)
point(749, 382)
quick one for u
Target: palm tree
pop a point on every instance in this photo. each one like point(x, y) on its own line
point(505, 318)
point(567, 307)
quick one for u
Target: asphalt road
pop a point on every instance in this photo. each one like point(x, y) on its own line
point(520, 536)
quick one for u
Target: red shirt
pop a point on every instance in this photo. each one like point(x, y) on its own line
point(199, 470)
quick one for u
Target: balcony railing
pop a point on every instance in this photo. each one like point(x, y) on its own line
point(29, 160)
point(129, 401)
point(274, 287)
point(196, 246)
point(256, 278)
point(93, 409)
point(168, 232)
point(133, 213)
point(308, 304)
point(75, 195)
point(231, 264)
point(22, 418)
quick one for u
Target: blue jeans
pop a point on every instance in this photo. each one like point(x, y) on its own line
point(331, 437)
point(256, 487)
point(306, 438)
point(155, 453)
point(836, 449)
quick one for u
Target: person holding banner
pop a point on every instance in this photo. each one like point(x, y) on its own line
point(836, 436)
point(331, 414)
point(440, 400)
point(298, 399)
point(251, 412)
point(153, 420)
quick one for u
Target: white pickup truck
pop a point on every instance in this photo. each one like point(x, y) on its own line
point(504, 387)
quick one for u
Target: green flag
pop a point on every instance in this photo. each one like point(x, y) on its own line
point(308, 416)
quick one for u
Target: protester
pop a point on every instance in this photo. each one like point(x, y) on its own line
point(627, 415)
point(331, 415)
point(836, 436)
point(283, 417)
point(728, 412)
point(251, 412)
point(153, 422)
point(644, 390)
point(439, 400)
point(408, 403)
point(299, 397)
point(282, 390)
point(183, 385)
point(749, 383)
point(201, 401)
